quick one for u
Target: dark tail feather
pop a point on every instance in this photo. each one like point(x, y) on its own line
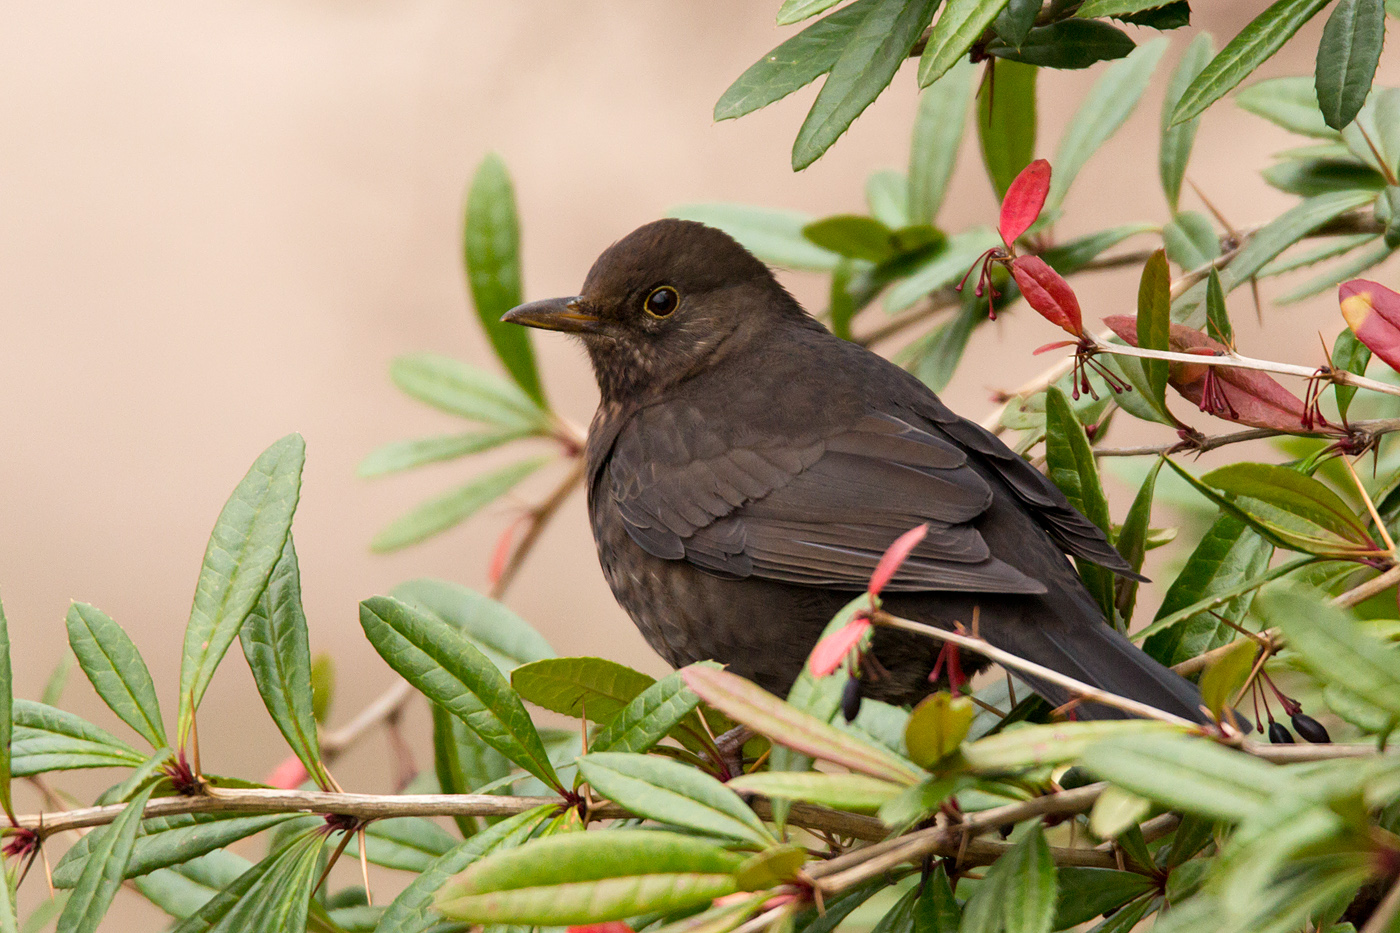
point(1101, 657)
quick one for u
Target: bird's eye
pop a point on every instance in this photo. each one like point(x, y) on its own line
point(662, 301)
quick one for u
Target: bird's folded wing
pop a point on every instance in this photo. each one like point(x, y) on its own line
point(817, 511)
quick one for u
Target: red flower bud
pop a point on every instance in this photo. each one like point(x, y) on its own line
point(1024, 199)
point(288, 775)
point(1372, 311)
point(827, 656)
point(1047, 292)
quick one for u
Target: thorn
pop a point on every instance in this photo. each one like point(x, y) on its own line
point(1258, 306)
point(1219, 217)
point(364, 868)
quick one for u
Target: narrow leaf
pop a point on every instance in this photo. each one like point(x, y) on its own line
point(796, 63)
point(167, 840)
point(1290, 103)
point(938, 132)
point(775, 236)
point(1070, 464)
point(105, 869)
point(405, 455)
point(1226, 675)
point(468, 392)
point(488, 623)
point(873, 53)
point(1066, 44)
point(1132, 543)
point(118, 674)
point(1288, 228)
point(244, 547)
point(958, 26)
point(1006, 123)
point(1174, 152)
point(795, 11)
point(1351, 355)
point(439, 661)
point(766, 714)
point(1154, 319)
point(1017, 894)
point(452, 508)
point(1105, 108)
point(670, 792)
point(1264, 36)
point(591, 877)
point(650, 716)
point(49, 739)
point(276, 644)
point(853, 792)
point(1347, 57)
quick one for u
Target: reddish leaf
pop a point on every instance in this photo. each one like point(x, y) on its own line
point(826, 657)
point(895, 556)
point(1048, 293)
point(1247, 396)
point(288, 775)
point(1372, 311)
point(1024, 199)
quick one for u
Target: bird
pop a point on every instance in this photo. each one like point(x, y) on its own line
point(746, 469)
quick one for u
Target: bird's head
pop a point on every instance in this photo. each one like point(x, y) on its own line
point(661, 301)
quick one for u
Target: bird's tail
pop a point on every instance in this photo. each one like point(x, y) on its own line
point(1104, 658)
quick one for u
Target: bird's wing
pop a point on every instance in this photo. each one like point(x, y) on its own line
point(817, 511)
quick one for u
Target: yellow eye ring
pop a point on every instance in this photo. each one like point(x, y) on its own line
point(662, 301)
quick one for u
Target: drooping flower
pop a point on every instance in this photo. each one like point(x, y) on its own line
point(1246, 396)
point(827, 656)
point(1047, 292)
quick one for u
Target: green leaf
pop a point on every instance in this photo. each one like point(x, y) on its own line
point(755, 707)
point(1226, 675)
point(938, 132)
point(1244, 53)
point(274, 894)
point(463, 762)
point(9, 916)
point(492, 626)
point(245, 545)
point(1223, 571)
point(1290, 103)
point(1154, 320)
point(935, 358)
point(1350, 355)
point(491, 247)
point(1288, 228)
point(774, 236)
point(937, 727)
point(7, 725)
point(1190, 240)
point(1006, 122)
point(168, 840)
point(876, 47)
point(467, 391)
point(1015, 21)
point(853, 236)
point(58, 678)
point(1072, 255)
point(1085, 893)
point(102, 875)
point(1067, 44)
point(1194, 775)
point(1132, 543)
point(454, 507)
point(775, 865)
point(322, 686)
point(1264, 490)
point(49, 739)
point(411, 911)
point(1070, 464)
point(937, 910)
point(960, 24)
point(1116, 813)
point(648, 718)
point(596, 687)
point(1330, 644)
point(1017, 894)
point(110, 660)
point(276, 645)
point(887, 196)
point(408, 843)
point(405, 455)
point(1050, 744)
point(1174, 151)
point(670, 792)
point(590, 878)
point(439, 661)
point(795, 11)
point(853, 792)
point(1108, 104)
point(1309, 177)
point(1217, 317)
point(796, 63)
point(1097, 9)
point(1361, 260)
point(1347, 58)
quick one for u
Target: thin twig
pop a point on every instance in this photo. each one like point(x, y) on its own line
point(1007, 659)
point(539, 519)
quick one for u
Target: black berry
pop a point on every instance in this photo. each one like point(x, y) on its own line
point(850, 699)
point(1310, 729)
point(1279, 734)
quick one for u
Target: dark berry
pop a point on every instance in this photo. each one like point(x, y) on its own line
point(850, 699)
point(1279, 734)
point(1310, 729)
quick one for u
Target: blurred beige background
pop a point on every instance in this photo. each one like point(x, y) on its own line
point(221, 221)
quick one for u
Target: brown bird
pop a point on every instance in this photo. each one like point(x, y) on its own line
point(747, 468)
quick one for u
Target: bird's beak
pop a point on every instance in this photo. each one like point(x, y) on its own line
point(567, 314)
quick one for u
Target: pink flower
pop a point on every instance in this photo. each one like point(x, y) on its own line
point(827, 656)
point(1024, 198)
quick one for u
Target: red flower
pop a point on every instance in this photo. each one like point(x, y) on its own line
point(288, 775)
point(894, 558)
point(827, 656)
point(1247, 396)
point(1046, 291)
point(1372, 311)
